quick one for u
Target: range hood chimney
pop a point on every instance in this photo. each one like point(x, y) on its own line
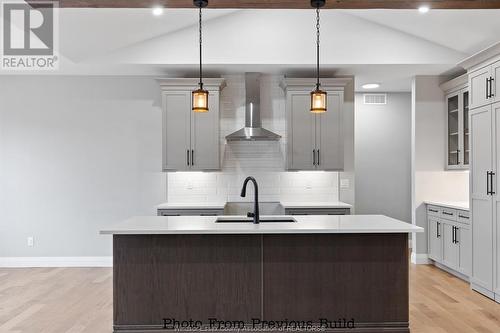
point(253, 130)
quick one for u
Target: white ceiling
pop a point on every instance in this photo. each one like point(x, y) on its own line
point(384, 46)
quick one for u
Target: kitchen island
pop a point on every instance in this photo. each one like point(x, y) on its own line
point(339, 273)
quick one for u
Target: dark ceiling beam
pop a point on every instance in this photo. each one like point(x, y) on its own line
point(282, 4)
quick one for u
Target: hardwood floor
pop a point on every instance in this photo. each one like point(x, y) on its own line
point(79, 300)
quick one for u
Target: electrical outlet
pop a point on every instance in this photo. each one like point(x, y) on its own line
point(308, 185)
point(189, 185)
point(30, 241)
point(344, 183)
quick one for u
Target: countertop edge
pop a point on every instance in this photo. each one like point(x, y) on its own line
point(451, 205)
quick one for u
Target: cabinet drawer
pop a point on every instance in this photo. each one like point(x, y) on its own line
point(317, 211)
point(463, 216)
point(434, 211)
point(449, 214)
point(190, 212)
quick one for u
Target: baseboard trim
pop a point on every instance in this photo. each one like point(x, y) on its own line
point(488, 293)
point(420, 258)
point(452, 271)
point(27, 262)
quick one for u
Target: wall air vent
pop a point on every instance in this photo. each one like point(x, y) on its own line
point(376, 99)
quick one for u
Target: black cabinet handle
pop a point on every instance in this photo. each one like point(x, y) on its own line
point(432, 210)
point(187, 158)
point(192, 157)
point(319, 159)
point(487, 88)
point(453, 234)
point(488, 183)
point(463, 216)
point(449, 214)
point(491, 183)
point(437, 230)
point(458, 156)
point(456, 235)
point(491, 87)
point(314, 156)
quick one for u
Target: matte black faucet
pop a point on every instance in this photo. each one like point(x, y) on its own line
point(255, 213)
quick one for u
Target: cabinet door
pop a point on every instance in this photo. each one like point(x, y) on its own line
point(496, 187)
point(477, 86)
point(495, 86)
point(330, 139)
point(176, 130)
point(453, 107)
point(465, 128)
point(205, 136)
point(481, 203)
point(450, 249)
point(435, 239)
point(465, 250)
point(302, 138)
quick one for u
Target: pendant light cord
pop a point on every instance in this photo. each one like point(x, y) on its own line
point(201, 81)
point(317, 47)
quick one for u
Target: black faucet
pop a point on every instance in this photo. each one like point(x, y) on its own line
point(255, 213)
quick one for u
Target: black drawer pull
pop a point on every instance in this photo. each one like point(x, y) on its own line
point(463, 217)
point(449, 214)
point(432, 210)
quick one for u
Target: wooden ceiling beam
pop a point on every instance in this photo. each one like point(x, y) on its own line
point(283, 4)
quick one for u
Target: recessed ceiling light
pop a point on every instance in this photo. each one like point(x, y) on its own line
point(370, 86)
point(423, 9)
point(157, 11)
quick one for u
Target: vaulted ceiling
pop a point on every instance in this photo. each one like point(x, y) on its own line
point(386, 46)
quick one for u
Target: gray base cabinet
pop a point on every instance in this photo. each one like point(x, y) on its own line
point(190, 212)
point(317, 211)
point(449, 242)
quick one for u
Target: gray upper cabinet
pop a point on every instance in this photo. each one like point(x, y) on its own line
point(457, 120)
point(190, 140)
point(314, 141)
point(484, 85)
point(479, 84)
point(495, 74)
point(330, 137)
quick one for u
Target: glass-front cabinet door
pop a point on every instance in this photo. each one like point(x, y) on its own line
point(457, 107)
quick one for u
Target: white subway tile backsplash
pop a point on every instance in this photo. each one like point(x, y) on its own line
point(263, 160)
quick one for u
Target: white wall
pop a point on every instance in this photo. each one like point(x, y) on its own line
point(383, 157)
point(76, 154)
point(430, 180)
point(264, 160)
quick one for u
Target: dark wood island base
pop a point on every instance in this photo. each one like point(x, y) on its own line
point(358, 279)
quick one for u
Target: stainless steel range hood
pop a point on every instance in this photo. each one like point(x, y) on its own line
point(253, 130)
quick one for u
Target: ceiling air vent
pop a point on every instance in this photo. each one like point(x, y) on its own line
point(377, 99)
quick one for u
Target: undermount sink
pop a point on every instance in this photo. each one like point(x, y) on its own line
point(243, 219)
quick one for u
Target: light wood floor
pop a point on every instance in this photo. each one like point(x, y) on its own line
point(61, 300)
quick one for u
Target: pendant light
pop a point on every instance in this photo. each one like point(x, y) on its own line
point(318, 96)
point(200, 95)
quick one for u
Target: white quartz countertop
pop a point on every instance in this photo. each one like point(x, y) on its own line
point(310, 224)
point(221, 205)
point(190, 205)
point(462, 205)
point(306, 204)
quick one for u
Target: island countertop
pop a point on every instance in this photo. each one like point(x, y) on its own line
point(310, 224)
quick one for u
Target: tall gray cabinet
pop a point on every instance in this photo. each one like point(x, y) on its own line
point(484, 122)
point(190, 140)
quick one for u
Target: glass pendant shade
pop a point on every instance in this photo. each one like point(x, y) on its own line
point(200, 100)
point(318, 101)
